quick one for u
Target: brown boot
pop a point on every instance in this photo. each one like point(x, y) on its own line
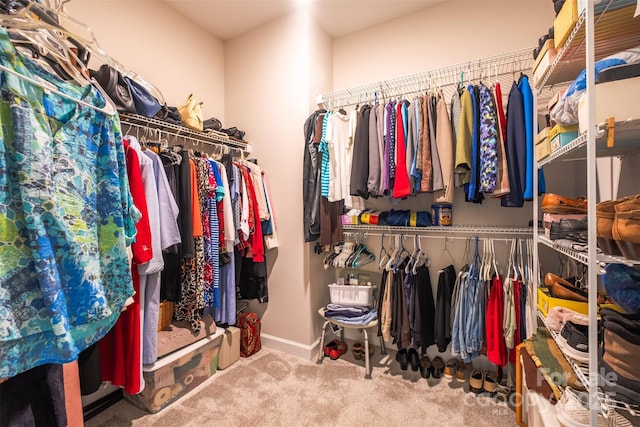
point(626, 228)
point(605, 214)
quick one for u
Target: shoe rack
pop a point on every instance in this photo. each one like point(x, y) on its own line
point(602, 29)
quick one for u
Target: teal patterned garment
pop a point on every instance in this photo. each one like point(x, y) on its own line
point(66, 218)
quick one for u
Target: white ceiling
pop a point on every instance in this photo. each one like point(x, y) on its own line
point(227, 19)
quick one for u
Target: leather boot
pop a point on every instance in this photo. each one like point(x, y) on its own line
point(626, 228)
point(605, 215)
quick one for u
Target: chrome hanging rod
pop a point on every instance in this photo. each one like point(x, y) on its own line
point(510, 63)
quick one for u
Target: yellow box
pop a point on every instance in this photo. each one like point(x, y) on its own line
point(543, 144)
point(546, 302)
point(565, 21)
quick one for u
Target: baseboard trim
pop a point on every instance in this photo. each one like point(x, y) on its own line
point(306, 351)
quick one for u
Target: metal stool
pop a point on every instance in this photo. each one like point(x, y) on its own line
point(343, 326)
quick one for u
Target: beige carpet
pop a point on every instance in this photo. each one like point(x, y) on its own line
point(276, 389)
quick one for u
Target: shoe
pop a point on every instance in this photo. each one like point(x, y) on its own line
point(450, 368)
point(573, 410)
point(414, 359)
point(559, 315)
point(556, 204)
point(490, 384)
point(476, 381)
point(461, 372)
point(340, 349)
point(605, 215)
point(356, 349)
point(425, 367)
point(372, 350)
point(574, 341)
point(438, 366)
point(330, 346)
point(626, 228)
point(572, 225)
point(402, 358)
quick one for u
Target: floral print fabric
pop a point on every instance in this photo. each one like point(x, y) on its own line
point(66, 217)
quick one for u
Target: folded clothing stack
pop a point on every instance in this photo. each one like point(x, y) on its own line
point(351, 314)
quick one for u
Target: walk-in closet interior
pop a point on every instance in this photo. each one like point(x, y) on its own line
point(319, 212)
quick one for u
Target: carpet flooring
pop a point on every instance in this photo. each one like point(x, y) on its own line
point(276, 389)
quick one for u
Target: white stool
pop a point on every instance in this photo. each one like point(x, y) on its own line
point(363, 328)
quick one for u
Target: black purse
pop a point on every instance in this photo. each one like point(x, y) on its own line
point(115, 86)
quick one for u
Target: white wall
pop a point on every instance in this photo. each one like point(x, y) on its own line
point(168, 50)
point(269, 79)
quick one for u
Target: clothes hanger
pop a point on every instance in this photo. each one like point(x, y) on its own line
point(38, 16)
point(413, 256)
point(402, 251)
point(446, 251)
point(392, 259)
point(384, 255)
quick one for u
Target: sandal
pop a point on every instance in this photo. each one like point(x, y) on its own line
point(356, 349)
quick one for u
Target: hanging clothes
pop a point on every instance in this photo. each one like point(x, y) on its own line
point(444, 303)
point(416, 164)
point(516, 149)
point(374, 152)
point(488, 141)
point(311, 175)
point(121, 348)
point(360, 156)
point(444, 142)
point(426, 184)
point(502, 179)
point(496, 346)
point(68, 309)
point(438, 183)
point(464, 140)
point(401, 188)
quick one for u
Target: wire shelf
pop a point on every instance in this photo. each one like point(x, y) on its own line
point(607, 403)
point(626, 141)
point(615, 30)
point(581, 257)
point(212, 138)
point(509, 63)
point(456, 229)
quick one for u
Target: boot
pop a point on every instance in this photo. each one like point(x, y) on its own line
point(605, 215)
point(626, 227)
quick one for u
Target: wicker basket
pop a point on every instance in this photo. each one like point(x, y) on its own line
point(165, 315)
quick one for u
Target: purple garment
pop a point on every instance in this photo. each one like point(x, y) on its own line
point(387, 153)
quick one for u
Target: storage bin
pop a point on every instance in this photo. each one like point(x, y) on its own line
point(165, 315)
point(352, 295)
point(178, 373)
point(564, 22)
point(230, 348)
point(619, 99)
point(562, 135)
point(543, 62)
point(543, 144)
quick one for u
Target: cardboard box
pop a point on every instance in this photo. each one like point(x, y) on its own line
point(562, 135)
point(543, 144)
point(619, 99)
point(176, 374)
point(350, 220)
point(564, 22)
point(230, 349)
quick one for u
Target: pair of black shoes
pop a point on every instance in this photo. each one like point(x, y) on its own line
point(427, 367)
point(408, 357)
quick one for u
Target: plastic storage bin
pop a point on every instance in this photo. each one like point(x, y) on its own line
point(176, 374)
point(352, 295)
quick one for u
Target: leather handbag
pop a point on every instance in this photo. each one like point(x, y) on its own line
point(191, 113)
point(115, 86)
point(146, 105)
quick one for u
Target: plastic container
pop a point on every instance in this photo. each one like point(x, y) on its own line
point(351, 295)
point(442, 214)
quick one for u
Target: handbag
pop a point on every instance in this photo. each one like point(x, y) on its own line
point(191, 113)
point(146, 105)
point(115, 86)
